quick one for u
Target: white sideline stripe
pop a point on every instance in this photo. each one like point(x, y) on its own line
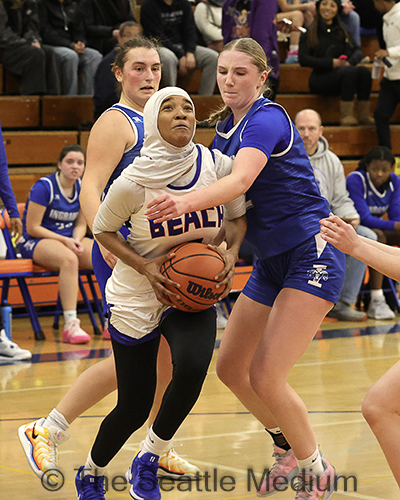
point(298, 365)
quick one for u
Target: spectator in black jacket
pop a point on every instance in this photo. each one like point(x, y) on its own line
point(102, 19)
point(61, 26)
point(21, 51)
point(105, 83)
point(334, 57)
point(171, 22)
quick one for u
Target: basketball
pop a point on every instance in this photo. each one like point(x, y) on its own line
point(194, 267)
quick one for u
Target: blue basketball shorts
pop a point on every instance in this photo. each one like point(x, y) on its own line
point(27, 247)
point(314, 266)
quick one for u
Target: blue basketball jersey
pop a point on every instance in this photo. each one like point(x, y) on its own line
point(135, 118)
point(284, 202)
point(61, 211)
point(372, 203)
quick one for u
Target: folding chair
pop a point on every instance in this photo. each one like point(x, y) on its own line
point(25, 268)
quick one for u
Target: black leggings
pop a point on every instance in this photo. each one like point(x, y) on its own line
point(346, 82)
point(191, 337)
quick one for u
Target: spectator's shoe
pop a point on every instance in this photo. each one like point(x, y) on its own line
point(292, 57)
point(222, 320)
point(10, 350)
point(89, 487)
point(106, 334)
point(173, 466)
point(282, 472)
point(379, 309)
point(344, 312)
point(312, 487)
point(40, 447)
point(73, 333)
point(142, 475)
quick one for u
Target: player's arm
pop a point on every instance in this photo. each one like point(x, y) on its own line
point(248, 163)
point(383, 258)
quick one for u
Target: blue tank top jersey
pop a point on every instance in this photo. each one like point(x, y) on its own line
point(135, 118)
point(61, 211)
point(284, 203)
point(372, 203)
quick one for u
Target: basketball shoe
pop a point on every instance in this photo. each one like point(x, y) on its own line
point(173, 466)
point(312, 487)
point(10, 350)
point(89, 487)
point(73, 333)
point(142, 475)
point(40, 447)
point(282, 472)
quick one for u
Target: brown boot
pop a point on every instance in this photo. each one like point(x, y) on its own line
point(364, 118)
point(347, 113)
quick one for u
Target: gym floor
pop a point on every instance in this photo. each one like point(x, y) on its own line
point(219, 435)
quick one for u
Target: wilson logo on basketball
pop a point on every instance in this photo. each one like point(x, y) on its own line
point(200, 291)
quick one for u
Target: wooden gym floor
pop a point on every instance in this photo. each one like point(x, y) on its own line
point(219, 435)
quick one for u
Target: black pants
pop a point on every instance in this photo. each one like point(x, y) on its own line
point(389, 98)
point(347, 82)
point(36, 67)
point(191, 338)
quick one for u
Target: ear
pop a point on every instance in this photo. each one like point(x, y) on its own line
point(118, 74)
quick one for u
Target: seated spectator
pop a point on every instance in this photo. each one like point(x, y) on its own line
point(370, 18)
point(375, 191)
point(102, 19)
point(349, 16)
point(299, 14)
point(328, 49)
point(105, 83)
point(54, 233)
point(331, 180)
point(208, 19)
point(23, 57)
point(8, 349)
point(61, 26)
point(389, 93)
point(171, 22)
point(254, 19)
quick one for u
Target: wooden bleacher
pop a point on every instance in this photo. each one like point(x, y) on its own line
point(36, 128)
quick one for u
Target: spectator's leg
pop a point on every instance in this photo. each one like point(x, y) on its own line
point(355, 271)
point(206, 60)
point(387, 102)
point(29, 63)
point(352, 24)
point(52, 71)
point(170, 64)
point(68, 61)
point(89, 62)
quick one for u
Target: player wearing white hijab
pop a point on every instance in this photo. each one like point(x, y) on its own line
point(170, 162)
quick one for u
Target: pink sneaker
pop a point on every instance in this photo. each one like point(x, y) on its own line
point(73, 333)
point(281, 473)
point(106, 334)
point(312, 487)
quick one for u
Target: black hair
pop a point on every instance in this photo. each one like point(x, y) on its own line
point(71, 147)
point(381, 153)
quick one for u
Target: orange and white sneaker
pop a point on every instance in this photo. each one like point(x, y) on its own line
point(282, 472)
point(40, 447)
point(73, 333)
point(312, 487)
point(173, 466)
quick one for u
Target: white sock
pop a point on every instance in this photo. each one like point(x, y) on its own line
point(275, 430)
point(56, 419)
point(292, 48)
point(153, 444)
point(91, 468)
point(376, 294)
point(312, 464)
point(68, 315)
